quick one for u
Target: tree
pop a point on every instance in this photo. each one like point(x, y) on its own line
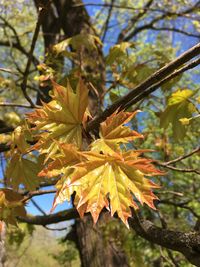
point(82, 139)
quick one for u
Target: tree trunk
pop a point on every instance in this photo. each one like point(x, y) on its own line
point(94, 250)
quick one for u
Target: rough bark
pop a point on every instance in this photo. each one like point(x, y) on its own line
point(188, 243)
point(95, 250)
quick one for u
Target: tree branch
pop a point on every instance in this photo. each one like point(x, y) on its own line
point(179, 169)
point(165, 14)
point(28, 195)
point(16, 105)
point(196, 150)
point(153, 80)
point(105, 28)
point(28, 65)
point(187, 243)
point(175, 30)
point(155, 86)
point(51, 218)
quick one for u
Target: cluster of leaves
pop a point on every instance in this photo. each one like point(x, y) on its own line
point(102, 172)
point(103, 176)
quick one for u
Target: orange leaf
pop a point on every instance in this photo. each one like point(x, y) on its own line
point(113, 132)
point(114, 181)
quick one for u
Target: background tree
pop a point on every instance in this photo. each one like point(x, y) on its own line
point(135, 66)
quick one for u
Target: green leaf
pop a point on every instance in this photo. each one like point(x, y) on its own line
point(11, 205)
point(178, 107)
point(117, 52)
point(22, 171)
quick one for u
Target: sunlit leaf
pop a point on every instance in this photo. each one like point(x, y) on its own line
point(113, 133)
point(178, 107)
point(118, 52)
point(61, 119)
point(87, 40)
point(110, 181)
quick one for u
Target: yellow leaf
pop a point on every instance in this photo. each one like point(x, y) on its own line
point(69, 156)
point(12, 118)
point(185, 121)
point(177, 108)
point(61, 119)
point(118, 178)
point(113, 132)
point(180, 96)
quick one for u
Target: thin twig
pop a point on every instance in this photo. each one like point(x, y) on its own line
point(38, 207)
point(9, 71)
point(196, 150)
point(105, 27)
point(28, 195)
point(28, 65)
point(56, 229)
point(179, 169)
point(17, 105)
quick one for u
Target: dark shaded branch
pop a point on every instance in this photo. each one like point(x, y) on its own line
point(168, 164)
point(152, 88)
point(187, 243)
point(175, 30)
point(51, 218)
point(30, 194)
point(150, 25)
point(38, 207)
point(105, 28)
point(56, 229)
point(19, 48)
point(17, 44)
point(137, 8)
point(151, 84)
point(16, 105)
point(179, 169)
point(182, 205)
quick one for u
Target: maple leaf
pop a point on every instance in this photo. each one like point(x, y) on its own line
point(110, 181)
point(178, 107)
point(61, 119)
point(63, 164)
point(113, 132)
point(69, 156)
point(19, 139)
point(22, 171)
point(11, 206)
